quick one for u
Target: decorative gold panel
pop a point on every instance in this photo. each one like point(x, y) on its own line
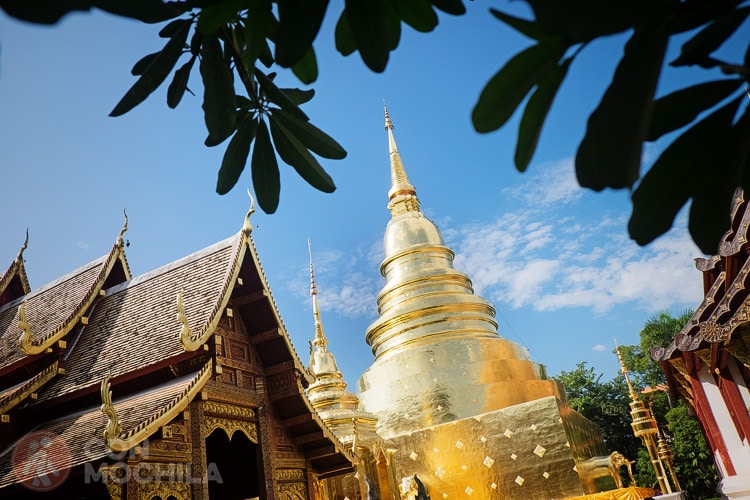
point(292, 491)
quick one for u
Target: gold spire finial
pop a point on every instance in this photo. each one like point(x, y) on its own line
point(402, 196)
point(247, 227)
point(320, 340)
point(624, 370)
point(124, 228)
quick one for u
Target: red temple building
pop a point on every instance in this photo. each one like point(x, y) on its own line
point(708, 361)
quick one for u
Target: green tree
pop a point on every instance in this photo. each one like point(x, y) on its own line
point(705, 162)
point(658, 330)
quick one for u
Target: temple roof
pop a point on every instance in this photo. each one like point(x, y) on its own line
point(97, 331)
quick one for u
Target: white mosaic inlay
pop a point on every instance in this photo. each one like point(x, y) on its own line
point(445, 495)
point(519, 480)
point(533, 427)
point(483, 439)
point(464, 467)
point(508, 433)
point(440, 472)
point(488, 462)
point(413, 455)
point(493, 486)
point(468, 490)
point(545, 475)
point(459, 444)
point(436, 450)
point(513, 456)
point(540, 451)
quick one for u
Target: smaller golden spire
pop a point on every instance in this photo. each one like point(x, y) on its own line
point(402, 194)
point(320, 341)
point(624, 369)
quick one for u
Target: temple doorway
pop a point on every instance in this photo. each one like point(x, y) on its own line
point(234, 471)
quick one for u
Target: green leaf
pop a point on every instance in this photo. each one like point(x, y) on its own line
point(196, 42)
point(710, 38)
point(219, 104)
point(505, 91)
point(294, 153)
point(46, 12)
point(299, 96)
point(455, 7)
point(277, 96)
point(235, 156)
point(690, 15)
point(679, 108)
point(418, 14)
point(258, 22)
point(531, 29)
point(585, 20)
point(143, 63)
point(309, 135)
point(173, 28)
point(676, 176)
point(265, 171)
point(369, 27)
point(393, 26)
point(535, 113)
point(299, 23)
point(148, 11)
point(154, 74)
point(179, 83)
point(244, 103)
point(710, 210)
point(345, 43)
point(307, 67)
point(610, 153)
point(217, 16)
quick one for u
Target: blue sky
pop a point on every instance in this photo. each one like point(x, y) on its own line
point(555, 260)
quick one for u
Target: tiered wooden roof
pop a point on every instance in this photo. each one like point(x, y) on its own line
point(721, 324)
point(105, 354)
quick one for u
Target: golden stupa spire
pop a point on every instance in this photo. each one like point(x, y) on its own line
point(402, 196)
point(624, 370)
point(320, 341)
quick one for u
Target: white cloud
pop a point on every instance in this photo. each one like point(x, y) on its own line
point(83, 245)
point(554, 183)
point(599, 348)
point(543, 259)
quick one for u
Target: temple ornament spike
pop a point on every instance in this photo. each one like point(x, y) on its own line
point(320, 341)
point(25, 341)
point(19, 257)
point(124, 229)
point(402, 196)
point(113, 428)
point(247, 227)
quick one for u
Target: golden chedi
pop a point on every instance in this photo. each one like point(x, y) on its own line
point(466, 409)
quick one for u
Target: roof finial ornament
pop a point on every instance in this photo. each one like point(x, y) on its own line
point(124, 228)
point(247, 227)
point(19, 257)
point(624, 370)
point(320, 341)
